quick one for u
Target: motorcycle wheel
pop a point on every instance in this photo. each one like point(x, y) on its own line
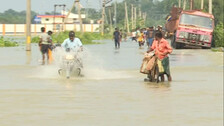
point(78, 72)
point(60, 71)
point(67, 74)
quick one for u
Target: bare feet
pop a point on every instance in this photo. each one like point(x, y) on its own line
point(169, 78)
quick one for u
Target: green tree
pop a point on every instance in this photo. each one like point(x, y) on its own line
point(218, 35)
point(13, 17)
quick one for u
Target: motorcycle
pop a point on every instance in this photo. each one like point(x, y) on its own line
point(71, 64)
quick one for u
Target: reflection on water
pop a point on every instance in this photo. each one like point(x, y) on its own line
point(28, 57)
point(165, 85)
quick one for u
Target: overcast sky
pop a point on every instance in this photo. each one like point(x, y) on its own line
point(41, 6)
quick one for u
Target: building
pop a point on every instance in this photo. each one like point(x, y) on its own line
point(59, 19)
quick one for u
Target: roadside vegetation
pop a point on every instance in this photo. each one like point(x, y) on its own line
point(86, 38)
point(218, 35)
point(7, 43)
point(218, 38)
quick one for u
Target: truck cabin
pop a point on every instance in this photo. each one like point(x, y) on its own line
point(196, 18)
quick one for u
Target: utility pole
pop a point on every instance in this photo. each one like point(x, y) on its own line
point(63, 18)
point(210, 6)
point(135, 17)
point(115, 14)
point(80, 18)
point(202, 4)
point(66, 18)
point(191, 4)
point(132, 17)
point(28, 25)
point(140, 13)
point(179, 3)
point(125, 23)
point(103, 14)
point(144, 17)
point(184, 6)
point(110, 19)
point(126, 14)
point(125, 18)
point(54, 26)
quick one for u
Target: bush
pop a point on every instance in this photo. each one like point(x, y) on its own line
point(6, 43)
point(35, 39)
point(86, 37)
point(218, 35)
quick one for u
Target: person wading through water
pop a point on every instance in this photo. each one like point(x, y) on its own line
point(44, 44)
point(117, 35)
point(150, 36)
point(162, 49)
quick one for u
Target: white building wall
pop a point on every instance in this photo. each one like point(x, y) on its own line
point(36, 28)
point(10, 28)
point(19, 28)
point(51, 20)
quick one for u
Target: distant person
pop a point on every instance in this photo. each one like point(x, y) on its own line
point(44, 44)
point(133, 35)
point(72, 43)
point(117, 36)
point(121, 35)
point(50, 46)
point(160, 29)
point(150, 36)
point(162, 49)
point(145, 34)
point(141, 38)
point(125, 35)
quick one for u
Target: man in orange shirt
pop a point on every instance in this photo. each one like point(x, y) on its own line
point(162, 49)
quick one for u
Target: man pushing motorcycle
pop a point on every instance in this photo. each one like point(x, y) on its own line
point(162, 49)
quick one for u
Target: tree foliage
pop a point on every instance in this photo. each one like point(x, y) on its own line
point(13, 17)
point(218, 35)
point(157, 10)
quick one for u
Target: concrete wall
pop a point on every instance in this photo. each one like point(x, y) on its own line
point(51, 20)
point(20, 29)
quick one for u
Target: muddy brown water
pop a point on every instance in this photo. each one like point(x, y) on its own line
point(112, 92)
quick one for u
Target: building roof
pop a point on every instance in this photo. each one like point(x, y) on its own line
point(51, 16)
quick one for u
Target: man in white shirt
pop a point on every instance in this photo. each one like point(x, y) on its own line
point(72, 43)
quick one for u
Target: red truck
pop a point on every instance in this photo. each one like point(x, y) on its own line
point(189, 27)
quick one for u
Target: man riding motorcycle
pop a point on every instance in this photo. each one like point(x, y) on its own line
point(72, 63)
point(72, 42)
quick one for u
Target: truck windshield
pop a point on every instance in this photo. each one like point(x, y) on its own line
point(198, 21)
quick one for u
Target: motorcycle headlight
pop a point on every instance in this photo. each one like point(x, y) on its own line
point(204, 38)
point(183, 34)
point(69, 57)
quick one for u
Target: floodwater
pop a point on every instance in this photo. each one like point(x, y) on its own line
point(112, 92)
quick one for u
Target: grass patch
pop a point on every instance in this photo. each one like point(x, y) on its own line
point(220, 49)
point(86, 38)
point(7, 43)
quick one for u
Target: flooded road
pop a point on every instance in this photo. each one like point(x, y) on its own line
point(112, 92)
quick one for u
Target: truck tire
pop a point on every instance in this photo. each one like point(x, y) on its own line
point(174, 44)
point(206, 47)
